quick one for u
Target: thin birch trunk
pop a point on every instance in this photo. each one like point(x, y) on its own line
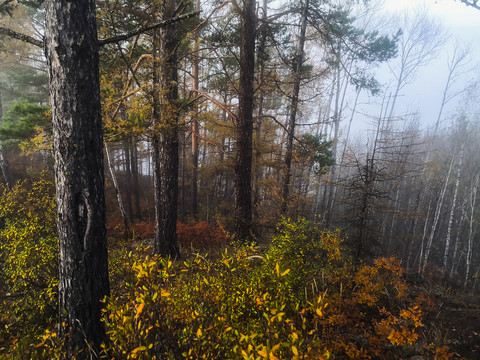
point(473, 199)
point(457, 238)
point(436, 217)
point(452, 211)
point(126, 228)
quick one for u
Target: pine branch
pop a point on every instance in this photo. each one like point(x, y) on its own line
point(142, 30)
point(31, 40)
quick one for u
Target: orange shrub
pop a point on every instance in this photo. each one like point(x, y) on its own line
point(144, 230)
point(201, 235)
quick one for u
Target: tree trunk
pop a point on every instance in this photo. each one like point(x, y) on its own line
point(258, 169)
point(452, 212)
point(194, 155)
point(243, 163)
point(457, 239)
point(473, 200)
point(334, 167)
point(436, 217)
point(156, 121)
point(136, 189)
point(72, 57)
point(126, 228)
point(3, 154)
point(166, 236)
point(294, 109)
point(128, 178)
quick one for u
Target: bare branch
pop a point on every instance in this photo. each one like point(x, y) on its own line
point(211, 143)
point(19, 36)
point(472, 3)
point(218, 103)
point(210, 15)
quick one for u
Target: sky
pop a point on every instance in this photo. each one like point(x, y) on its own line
point(425, 93)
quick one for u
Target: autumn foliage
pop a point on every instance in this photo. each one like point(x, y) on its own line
point(302, 297)
point(197, 236)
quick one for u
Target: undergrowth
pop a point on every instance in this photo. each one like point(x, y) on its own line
point(301, 298)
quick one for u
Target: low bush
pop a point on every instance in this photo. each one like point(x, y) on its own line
point(301, 298)
point(28, 259)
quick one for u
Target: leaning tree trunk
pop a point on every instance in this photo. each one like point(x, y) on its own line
point(452, 212)
point(243, 163)
point(126, 227)
point(72, 57)
point(436, 217)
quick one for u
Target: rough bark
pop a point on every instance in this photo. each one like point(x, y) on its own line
point(243, 163)
point(166, 236)
point(72, 57)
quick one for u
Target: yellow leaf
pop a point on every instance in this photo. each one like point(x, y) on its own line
point(263, 354)
point(294, 350)
point(285, 272)
point(271, 356)
point(319, 312)
point(165, 293)
point(140, 348)
point(139, 310)
point(199, 333)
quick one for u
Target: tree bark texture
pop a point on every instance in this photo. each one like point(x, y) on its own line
point(166, 236)
point(243, 163)
point(72, 57)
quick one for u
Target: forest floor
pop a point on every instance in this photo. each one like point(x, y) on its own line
point(455, 322)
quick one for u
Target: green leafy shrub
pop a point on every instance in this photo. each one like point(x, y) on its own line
point(28, 259)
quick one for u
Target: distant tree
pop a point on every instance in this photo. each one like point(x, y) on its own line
point(420, 40)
